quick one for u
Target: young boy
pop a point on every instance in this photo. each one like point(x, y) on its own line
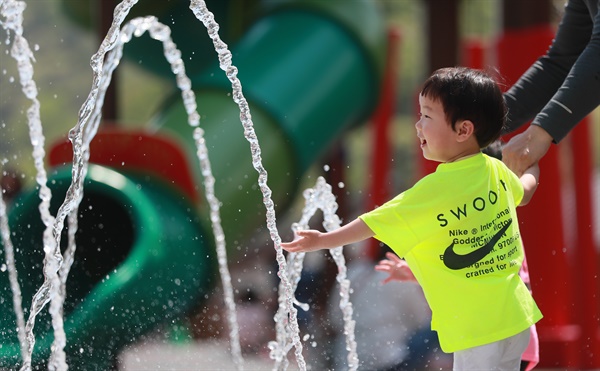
point(457, 228)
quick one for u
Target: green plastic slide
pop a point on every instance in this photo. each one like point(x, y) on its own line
point(141, 260)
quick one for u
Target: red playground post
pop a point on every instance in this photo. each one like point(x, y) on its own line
point(381, 154)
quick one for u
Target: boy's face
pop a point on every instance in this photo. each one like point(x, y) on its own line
point(438, 139)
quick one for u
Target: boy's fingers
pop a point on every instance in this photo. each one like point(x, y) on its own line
point(384, 265)
point(288, 245)
point(303, 233)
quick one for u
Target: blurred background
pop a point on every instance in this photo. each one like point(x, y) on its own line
point(359, 135)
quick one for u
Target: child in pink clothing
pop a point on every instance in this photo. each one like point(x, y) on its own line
point(531, 356)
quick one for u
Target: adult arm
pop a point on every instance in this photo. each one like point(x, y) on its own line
point(565, 77)
point(312, 240)
point(563, 86)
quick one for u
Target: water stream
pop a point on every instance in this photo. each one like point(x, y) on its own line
point(225, 63)
point(13, 13)
point(56, 266)
point(160, 32)
point(12, 21)
point(319, 197)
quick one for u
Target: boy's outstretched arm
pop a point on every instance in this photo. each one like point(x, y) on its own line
point(397, 268)
point(312, 240)
point(530, 180)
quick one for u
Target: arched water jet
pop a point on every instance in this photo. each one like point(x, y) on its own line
point(320, 197)
point(161, 32)
point(225, 63)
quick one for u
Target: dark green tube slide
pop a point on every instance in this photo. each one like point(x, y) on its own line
point(141, 260)
point(308, 74)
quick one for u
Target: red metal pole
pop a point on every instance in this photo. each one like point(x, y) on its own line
point(585, 270)
point(381, 155)
point(442, 47)
point(473, 54)
point(541, 220)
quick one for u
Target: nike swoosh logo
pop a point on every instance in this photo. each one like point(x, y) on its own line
point(455, 261)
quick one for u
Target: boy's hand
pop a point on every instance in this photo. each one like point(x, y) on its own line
point(305, 241)
point(526, 149)
point(397, 268)
point(530, 181)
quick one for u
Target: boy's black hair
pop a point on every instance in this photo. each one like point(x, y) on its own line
point(469, 94)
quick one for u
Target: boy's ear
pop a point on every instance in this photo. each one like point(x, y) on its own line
point(464, 130)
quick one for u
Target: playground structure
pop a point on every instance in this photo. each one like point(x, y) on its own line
point(300, 105)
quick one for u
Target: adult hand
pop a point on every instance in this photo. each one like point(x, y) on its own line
point(526, 149)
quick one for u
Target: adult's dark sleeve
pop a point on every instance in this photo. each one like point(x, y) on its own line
point(563, 86)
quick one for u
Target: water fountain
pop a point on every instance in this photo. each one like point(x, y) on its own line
point(100, 178)
point(319, 197)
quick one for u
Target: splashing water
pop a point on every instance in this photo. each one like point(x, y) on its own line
point(207, 18)
point(161, 32)
point(209, 182)
point(12, 20)
point(81, 136)
point(50, 291)
point(12, 274)
point(56, 267)
point(12, 11)
point(321, 197)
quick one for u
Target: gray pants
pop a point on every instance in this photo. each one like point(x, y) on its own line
point(500, 355)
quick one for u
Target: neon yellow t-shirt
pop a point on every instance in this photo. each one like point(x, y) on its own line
point(457, 229)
